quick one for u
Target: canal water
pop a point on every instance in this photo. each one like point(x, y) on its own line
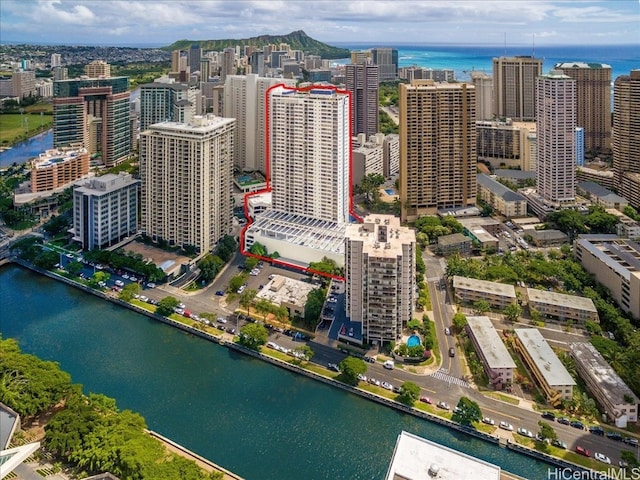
point(23, 151)
point(248, 416)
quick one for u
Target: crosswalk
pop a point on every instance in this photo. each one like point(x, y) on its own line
point(445, 377)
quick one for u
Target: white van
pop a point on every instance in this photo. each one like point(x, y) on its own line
point(389, 365)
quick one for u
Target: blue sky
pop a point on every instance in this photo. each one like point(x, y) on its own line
point(160, 22)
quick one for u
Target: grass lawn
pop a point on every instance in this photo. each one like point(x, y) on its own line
point(504, 398)
point(12, 131)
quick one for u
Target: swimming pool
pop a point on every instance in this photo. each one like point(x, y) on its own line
point(390, 191)
point(413, 341)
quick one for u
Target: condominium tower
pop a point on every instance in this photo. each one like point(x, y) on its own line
point(556, 132)
point(245, 100)
point(309, 148)
point(593, 101)
point(380, 276)
point(514, 86)
point(97, 69)
point(96, 113)
point(186, 171)
point(362, 82)
point(164, 101)
point(437, 147)
point(626, 136)
point(387, 61)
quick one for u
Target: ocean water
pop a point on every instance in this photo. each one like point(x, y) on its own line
point(464, 59)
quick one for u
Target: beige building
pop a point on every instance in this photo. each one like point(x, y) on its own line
point(497, 363)
point(598, 172)
point(500, 198)
point(380, 276)
point(58, 167)
point(437, 147)
point(593, 101)
point(186, 172)
point(456, 242)
point(484, 95)
point(24, 84)
point(497, 295)
point(507, 144)
point(367, 157)
point(97, 69)
point(556, 382)
point(287, 292)
point(391, 146)
point(626, 136)
point(615, 398)
point(616, 265)
point(627, 227)
point(562, 307)
point(514, 87)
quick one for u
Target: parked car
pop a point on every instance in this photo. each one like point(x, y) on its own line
point(577, 424)
point(426, 400)
point(559, 444)
point(447, 331)
point(564, 421)
point(220, 293)
point(583, 451)
point(119, 283)
point(549, 416)
point(506, 426)
point(488, 421)
point(631, 441)
point(614, 436)
point(597, 430)
point(151, 285)
point(444, 405)
point(389, 365)
point(333, 366)
point(602, 458)
point(452, 352)
point(222, 320)
point(524, 432)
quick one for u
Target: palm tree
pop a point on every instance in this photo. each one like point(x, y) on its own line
point(246, 298)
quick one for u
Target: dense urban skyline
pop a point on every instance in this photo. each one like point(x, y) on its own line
point(551, 22)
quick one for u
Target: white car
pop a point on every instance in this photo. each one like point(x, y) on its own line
point(119, 283)
point(506, 426)
point(488, 421)
point(525, 433)
point(602, 458)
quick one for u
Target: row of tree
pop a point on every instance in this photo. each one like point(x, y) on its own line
point(212, 263)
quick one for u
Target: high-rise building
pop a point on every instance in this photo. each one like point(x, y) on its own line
point(96, 113)
point(105, 210)
point(484, 95)
point(556, 131)
point(166, 102)
point(437, 147)
point(256, 61)
point(56, 60)
point(363, 56)
point(245, 100)
point(593, 101)
point(387, 61)
point(362, 82)
point(60, 73)
point(309, 148)
point(579, 146)
point(626, 136)
point(514, 87)
point(227, 64)
point(186, 171)
point(176, 56)
point(195, 53)
point(380, 276)
point(58, 167)
point(205, 68)
point(97, 69)
point(24, 83)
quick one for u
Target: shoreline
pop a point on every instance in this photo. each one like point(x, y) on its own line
point(553, 461)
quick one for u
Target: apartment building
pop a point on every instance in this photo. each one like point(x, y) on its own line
point(549, 372)
point(367, 157)
point(164, 100)
point(105, 210)
point(593, 101)
point(514, 87)
point(437, 147)
point(562, 307)
point(58, 167)
point(362, 82)
point(484, 94)
point(616, 399)
point(380, 276)
point(454, 243)
point(186, 171)
point(502, 199)
point(386, 60)
point(97, 69)
point(497, 363)
point(627, 227)
point(23, 83)
point(391, 145)
point(245, 100)
point(616, 265)
point(507, 144)
point(556, 141)
point(497, 295)
point(602, 196)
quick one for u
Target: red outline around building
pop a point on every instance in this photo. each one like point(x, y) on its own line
point(276, 261)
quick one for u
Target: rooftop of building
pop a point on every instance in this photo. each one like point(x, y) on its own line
point(54, 156)
point(484, 222)
point(422, 84)
point(199, 124)
point(301, 230)
point(517, 174)
point(246, 179)
point(481, 235)
point(499, 189)
point(382, 235)
point(561, 300)
point(414, 457)
point(453, 239)
point(589, 65)
point(548, 235)
point(493, 349)
point(555, 75)
point(620, 255)
point(597, 190)
point(605, 377)
point(284, 290)
point(525, 221)
point(493, 288)
point(165, 84)
point(547, 363)
point(459, 212)
point(105, 184)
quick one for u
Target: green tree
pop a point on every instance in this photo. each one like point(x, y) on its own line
point(313, 306)
point(468, 412)
point(253, 336)
point(46, 259)
point(250, 263)
point(129, 291)
point(409, 393)
point(304, 351)
point(236, 282)
point(459, 321)
point(513, 311)
point(246, 298)
point(74, 268)
point(630, 458)
point(98, 277)
point(481, 306)
point(264, 307)
point(326, 265)
point(166, 306)
point(369, 186)
point(350, 368)
point(547, 431)
point(258, 249)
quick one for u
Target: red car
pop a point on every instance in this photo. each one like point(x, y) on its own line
point(583, 451)
point(425, 400)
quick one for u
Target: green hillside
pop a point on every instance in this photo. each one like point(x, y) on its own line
point(296, 40)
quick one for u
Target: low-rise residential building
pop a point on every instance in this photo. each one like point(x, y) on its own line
point(615, 262)
point(469, 290)
point(58, 167)
point(598, 172)
point(456, 242)
point(616, 399)
point(521, 178)
point(502, 199)
point(391, 145)
point(561, 306)
point(497, 363)
point(556, 382)
point(627, 227)
point(600, 195)
point(287, 292)
point(546, 238)
point(105, 210)
point(483, 238)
